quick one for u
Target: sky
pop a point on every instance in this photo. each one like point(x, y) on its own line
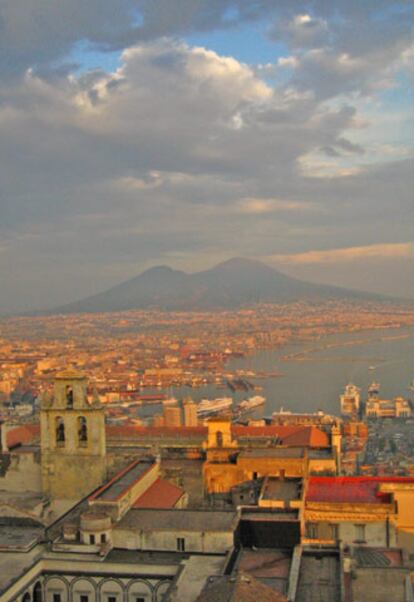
point(146, 132)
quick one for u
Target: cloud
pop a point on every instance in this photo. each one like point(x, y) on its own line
point(187, 154)
point(259, 206)
point(345, 255)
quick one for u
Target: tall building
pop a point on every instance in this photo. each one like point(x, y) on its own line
point(158, 420)
point(190, 413)
point(172, 415)
point(73, 445)
point(350, 400)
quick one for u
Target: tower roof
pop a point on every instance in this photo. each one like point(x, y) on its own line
point(70, 374)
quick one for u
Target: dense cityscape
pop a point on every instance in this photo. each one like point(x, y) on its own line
point(207, 301)
point(275, 494)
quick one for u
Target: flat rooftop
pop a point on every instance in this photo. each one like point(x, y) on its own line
point(281, 489)
point(270, 567)
point(271, 515)
point(319, 577)
point(139, 557)
point(179, 520)
point(14, 564)
point(19, 534)
point(275, 452)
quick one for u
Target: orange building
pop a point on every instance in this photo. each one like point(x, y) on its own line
point(235, 454)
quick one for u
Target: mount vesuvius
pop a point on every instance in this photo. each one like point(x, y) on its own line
point(229, 285)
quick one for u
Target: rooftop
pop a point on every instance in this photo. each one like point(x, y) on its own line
point(70, 374)
point(351, 489)
point(23, 434)
point(179, 520)
point(241, 587)
point(19, 533)
point(309, 436)
point(161, 494)
point(274, 452)
point(278, 489)
point(121, 482)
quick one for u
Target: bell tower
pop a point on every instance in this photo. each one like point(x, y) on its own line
point(73, 444)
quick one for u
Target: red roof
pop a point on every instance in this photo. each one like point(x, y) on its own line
point(289, 435)
point(155, 431)
point(23, 434)
point(161, 494)
point(351, 490)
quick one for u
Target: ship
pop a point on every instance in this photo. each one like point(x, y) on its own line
point(373, 390)
point(209, 407)
point(252, 402)
point(169, 401)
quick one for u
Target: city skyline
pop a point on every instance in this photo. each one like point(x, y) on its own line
point(190, 132)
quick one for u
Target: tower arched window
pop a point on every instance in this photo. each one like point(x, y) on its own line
point(82, 431)
point(69, 396)
point(60, 431)
point(37, 592)
point(219, 439)
point(27, 597)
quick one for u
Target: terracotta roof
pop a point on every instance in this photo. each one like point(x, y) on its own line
point(351, 489)
point(241, 587)
point(309, 436)
point(131, 432)
point(23, 434)
point(161, 494)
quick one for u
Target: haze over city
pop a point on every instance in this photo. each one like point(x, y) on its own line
point(184, 133)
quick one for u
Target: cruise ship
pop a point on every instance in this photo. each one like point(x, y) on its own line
point(373, 390)
point(208, 407)
point(252, 402)
point(169, 401)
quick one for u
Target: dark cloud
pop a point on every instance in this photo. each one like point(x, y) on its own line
point(183, 156)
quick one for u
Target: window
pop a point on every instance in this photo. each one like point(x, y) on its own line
point(103, 538)
point(333, 531)
point(69, 396)
point(82, 431)
point(219, 439)
point(57, 598)
point(312, 530)
point(111, 598)
point(180, 544)
point(92, 539)
point(359, 532)
point(37, 592)
point(84, 598)
point(140, 599)
point(60, 431)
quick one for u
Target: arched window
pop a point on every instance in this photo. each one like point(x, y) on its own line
point(82, 431)
point(37, 592)
point(219, 439)
point(27, 597)
point(60, 431)
point(69, 396)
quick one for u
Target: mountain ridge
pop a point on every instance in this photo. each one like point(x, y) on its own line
point(231, 284)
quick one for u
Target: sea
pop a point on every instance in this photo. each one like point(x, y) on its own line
point(313, 374)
